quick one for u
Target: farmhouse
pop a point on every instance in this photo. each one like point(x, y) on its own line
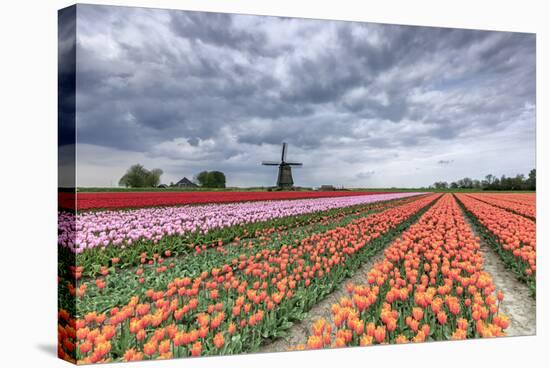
point(186, 183)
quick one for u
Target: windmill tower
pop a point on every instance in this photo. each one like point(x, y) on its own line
point(284, 178)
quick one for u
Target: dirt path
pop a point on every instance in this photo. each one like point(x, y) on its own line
point(299, 333)
point(518, 305)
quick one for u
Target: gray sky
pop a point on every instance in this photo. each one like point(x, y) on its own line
point(360, 104)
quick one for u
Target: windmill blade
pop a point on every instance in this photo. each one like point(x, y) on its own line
point(294, 163)
point(270, 163)
point(283, 154)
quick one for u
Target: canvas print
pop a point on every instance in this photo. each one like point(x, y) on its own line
point(234, 183)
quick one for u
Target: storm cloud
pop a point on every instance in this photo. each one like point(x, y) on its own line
point(360, 104)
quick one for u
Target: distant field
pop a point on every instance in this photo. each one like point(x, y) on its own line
point(431, 190)
point(265, 189)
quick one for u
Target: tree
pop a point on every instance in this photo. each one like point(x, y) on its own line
point(153, 179)
point(505, 183)
point(517, 182)
point(211, 179)
point(440, 185)
point(202, 178)
point(488, 182)
point(217, 178)
point(454, 185)
point(531, 182)
point(465, 183)
point(134, 177)
point(138, 176)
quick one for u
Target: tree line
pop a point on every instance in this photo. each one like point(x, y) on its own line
point(491, 182)
point(137, 176)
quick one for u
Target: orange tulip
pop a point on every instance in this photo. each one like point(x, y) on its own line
point(314, 342)
point(319, 326)
point(108, 331)
point(380, 334)
point(132, 355)
point(219, 341)
point(401, 339)
point(196, 349)
point(459, 334)
point(366, 340)
point(232, 328)
point(462, 324)
point(164, 346)
point(85, 347)
point(417, 313)
point(150, 348)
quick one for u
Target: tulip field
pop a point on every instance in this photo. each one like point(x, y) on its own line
point(180, 277)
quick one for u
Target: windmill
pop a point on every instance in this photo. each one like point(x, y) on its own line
point(284, 178)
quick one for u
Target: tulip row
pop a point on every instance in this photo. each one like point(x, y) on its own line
point(219, 224)
point(235, 307)
point(430, 286)
point(512, 236)
point(509, 202)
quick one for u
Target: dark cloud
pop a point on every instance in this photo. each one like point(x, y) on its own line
point(217, 29)
point(194, 89)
